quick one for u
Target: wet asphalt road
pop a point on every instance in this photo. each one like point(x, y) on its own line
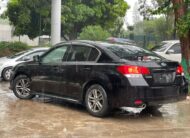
point(50, 118)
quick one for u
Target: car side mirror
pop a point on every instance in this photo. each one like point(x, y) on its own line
point(36, 58)
point(170, 51)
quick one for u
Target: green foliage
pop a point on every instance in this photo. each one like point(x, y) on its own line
point(130, 28)
point(184, 64)
point(117, 30)
point(150, 46)
point(17, 46)
point(79, 14)
point(9, 48)
point(28, 15)
point(183, 25)
point(144, 9)
point(154, 7)
point(181, 12)
point(94, 33)
point(166, 7)
point(157, 27)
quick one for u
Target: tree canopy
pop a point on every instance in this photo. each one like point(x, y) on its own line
point(29, 16)
point(32, 17)
point(96, 33)
point(181, 12)
point(156, 27)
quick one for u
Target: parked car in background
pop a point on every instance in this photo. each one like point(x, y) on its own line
point(7, 63)
point(101, 76)
point(170, 49)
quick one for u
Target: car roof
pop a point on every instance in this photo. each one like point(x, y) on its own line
point(40, 48)
point(120, 40)
point(99, 44)
point(171, 41)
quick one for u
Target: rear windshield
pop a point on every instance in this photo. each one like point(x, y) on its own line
point(133, 53)
point(161, 47)
point(18, 54)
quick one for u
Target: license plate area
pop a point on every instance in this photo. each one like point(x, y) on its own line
point(164, 78)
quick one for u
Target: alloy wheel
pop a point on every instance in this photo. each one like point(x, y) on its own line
point(7, 74)
point(22, 87)
point(95, 100)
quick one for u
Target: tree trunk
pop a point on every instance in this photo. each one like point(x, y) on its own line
point(180, 11)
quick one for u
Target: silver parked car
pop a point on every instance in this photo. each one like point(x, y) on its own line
point(170, 49)
point(7, 63)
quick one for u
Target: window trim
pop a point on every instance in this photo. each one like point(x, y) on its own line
point(84, 45)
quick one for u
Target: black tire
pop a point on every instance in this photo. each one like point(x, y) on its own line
point(6, 74)
point(150, 109)
point(156, 107)
point(97, 105)
point(21, 87)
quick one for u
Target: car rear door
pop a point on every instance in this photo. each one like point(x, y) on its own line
point(78, 68)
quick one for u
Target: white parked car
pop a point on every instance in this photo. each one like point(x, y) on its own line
point(7, 63)
point(170, 49)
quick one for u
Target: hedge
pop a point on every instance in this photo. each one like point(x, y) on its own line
point(9, 48)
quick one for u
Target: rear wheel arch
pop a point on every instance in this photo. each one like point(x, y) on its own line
point(96, 101)
point(93, 82)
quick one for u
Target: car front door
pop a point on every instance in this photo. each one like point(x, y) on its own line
point(48, 73)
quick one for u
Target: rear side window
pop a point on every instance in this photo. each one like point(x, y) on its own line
point(93, 55)
point(79, 53)
point(82, 53)
point(176, 48)
point(161, 47)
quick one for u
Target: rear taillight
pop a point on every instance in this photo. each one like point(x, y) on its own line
point(127, 70)
point(138, 102)
point(179, 70)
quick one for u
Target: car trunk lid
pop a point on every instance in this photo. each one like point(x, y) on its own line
point(162, 72)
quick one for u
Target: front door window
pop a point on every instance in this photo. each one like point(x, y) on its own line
point(55, 56)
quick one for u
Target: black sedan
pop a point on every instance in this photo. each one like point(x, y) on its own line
point(101, 76)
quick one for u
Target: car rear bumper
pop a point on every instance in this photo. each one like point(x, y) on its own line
point(150, 96)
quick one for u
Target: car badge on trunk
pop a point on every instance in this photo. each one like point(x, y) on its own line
point(163, 64)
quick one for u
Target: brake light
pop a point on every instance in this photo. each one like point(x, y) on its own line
point(179, 69)
point(138, 102)
point(127, 69)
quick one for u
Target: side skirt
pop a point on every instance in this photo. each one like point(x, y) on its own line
point(59, 97)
